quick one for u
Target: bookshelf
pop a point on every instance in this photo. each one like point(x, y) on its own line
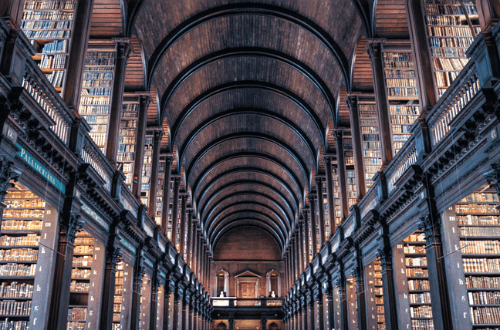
point(350, 173)
point(95, 101)
point(146, 170)
point(370, 139)
point(352, 302)
point(48, 24)
point(20, 237)
point(451, 28)
point(415, 281)
point(170, 208)
point(374, 296)
point(402, 93)
point(336, 196)
point(83, 260)
point(325, 209)
point(127, 139)
point(478, 222)
point(118, 295)
point(145, 302)
point(159, 191)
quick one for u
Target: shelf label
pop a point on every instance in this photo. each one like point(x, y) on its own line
point(149, 262)
point(35, 164)
point(129, 246)
point(94, 216)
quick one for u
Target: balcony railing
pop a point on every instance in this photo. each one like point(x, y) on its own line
point(92, 155)
point(246, 302)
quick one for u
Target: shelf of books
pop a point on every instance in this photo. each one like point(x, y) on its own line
point(95, 101)
point(413, 281)
point(146, 170)
point(20, 250)
point(352, 302)
point(159, 191)
point(122, 296)
point(145, 302)
point(160, 298)
point(402, 93)
point(127, 141)
point(85, 282)
point(478, 220)
point(374, 296)
point(170, 207)
point(451, 28)
point(337, 312)
point(372, 158)
point(48, 24)
point(325, 209)
point(350, 173)
point(336, 195)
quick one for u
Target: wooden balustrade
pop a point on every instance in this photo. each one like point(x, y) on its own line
point(92, 155)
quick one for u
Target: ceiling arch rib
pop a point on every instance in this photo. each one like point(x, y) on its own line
point(248, 188)
point(248, 157)
point(254, 9)
point(258, 175)
point(244, 221)
point(268, 115)
point(246, 211)
point(239, 222)
point(246, 52)
point(245, 85)
point(247, 135)
point(249, 196)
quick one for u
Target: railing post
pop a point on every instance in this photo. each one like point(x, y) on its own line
point(17, 51)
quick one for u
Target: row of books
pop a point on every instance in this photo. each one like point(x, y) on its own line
point(22, 225)
point(106, 61)
point(444, 79)
point(398, 57)
point(17, 270)
point(448, 52)
point(418, 285)
point(450, 64)
point(479, 231)
point(442, 31)
point(422, 324)
point(28, 240)
point(414, 249)
point(420, 262)
point(83, 261)
point(19, 255)
point(40, 25)
point(482, 282)
point(125, 156)
point(445, 20)
point(57, 46)
point(47, 15)
point(485, 315)
point(47, 34)
point(398, 65)
point(80, 273)
point(404, 110)
point(417, 272)
point(372, 160)
point(26, 203)
point(403, 119)
point(75, 325)
point(480, 247)
point(424, 311)
point(456, 43)
point(79, 314)
point(102, 128)
point(481, 198)
point(453, 8)
point(127, 139)
point(484, 298)
point(97, 91)
point(402, 91)
point(399, 73)
point(94, 109)
point(98, 83)
point(55, 78)
point(475, 208)
point(53, 61)
point(481, 265)
point(10, 307)
point(14, 325)
point(91, 75)
point(402, 82)
point(84, 249)
point(420, 298)
point(16, 290)
point(79, 286)
point(50, 4)
point(93, 100)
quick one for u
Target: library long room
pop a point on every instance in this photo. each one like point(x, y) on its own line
point(249, 165)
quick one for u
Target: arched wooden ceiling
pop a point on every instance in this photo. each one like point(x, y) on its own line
point(248, 90)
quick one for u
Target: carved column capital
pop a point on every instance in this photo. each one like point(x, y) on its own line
point(71, 225)
point(7, 172)
point(492, 176)
point(431, 228)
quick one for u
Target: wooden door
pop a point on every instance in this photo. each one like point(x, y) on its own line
point(247, 290)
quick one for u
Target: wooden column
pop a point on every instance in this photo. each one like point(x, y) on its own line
point(320, 322)
point(357, 147)
point(331, 312)
point(135, 313)
point(426, 82)
point(175, 206)
point(153, 187)
point(185, 304)
point(301, 245)
point(304, 317)
point(72, 84)
point(177, 308)
point(312, 214)
point(375, 52)
point(489, 13)
point(344, 317)
point(12, 12)
point(306, 241)
point(198, 259)
point(294, 258)
point(123, 49)
point(360, 289)
point(321, 211)
point(182, 238)
point(388, 287)
point(339, 144)
point(140, 140)
point(166, 194)
point(189, 238)
point(113, 253)
point(329, 193)
point(194, 266)
point(153, 308)
point(167, 301)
